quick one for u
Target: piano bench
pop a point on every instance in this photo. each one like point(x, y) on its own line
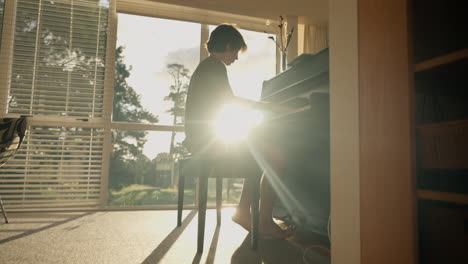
point(202, 168)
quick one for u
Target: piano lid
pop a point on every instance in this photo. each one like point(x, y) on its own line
point(303, 68)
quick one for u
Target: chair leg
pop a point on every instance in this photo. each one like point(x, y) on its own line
point(219, 198)
point(180, 199)
point(254, 213)
point(3, 210)
point(202, 200)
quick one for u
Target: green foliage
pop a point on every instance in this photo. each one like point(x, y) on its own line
point(137, 195)
point(178, 93)
point(127, 105)
point(127, 145)
point(128, 164)
point(146, 195)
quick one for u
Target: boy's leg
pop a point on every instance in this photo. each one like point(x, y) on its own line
point(242, 214)
point(268, 197)
point(276, 161)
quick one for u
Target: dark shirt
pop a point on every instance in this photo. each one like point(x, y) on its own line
point(208, 91)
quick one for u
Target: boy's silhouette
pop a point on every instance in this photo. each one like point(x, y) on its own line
point(208, 92)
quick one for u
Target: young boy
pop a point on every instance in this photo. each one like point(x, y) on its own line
point(208, 92)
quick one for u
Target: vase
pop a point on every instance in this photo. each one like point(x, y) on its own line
point(284, 61)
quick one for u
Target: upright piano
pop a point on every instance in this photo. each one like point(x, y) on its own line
point(304, 135)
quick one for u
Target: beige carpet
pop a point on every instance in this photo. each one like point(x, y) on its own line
point(138, 237)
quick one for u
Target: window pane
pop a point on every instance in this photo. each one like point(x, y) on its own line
point(142, 171)
point(150, 46)
point(58, 58)
point(55, 166)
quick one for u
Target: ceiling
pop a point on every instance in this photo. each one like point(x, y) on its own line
point(310, 11)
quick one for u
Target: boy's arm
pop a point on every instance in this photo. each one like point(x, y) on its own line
point(261, 105)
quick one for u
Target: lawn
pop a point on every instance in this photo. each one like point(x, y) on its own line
point(136, 195)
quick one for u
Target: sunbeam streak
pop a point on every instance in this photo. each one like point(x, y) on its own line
point(226, 134)
point(284, 194)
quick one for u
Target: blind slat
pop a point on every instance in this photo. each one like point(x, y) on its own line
point(40, 177)
point(32, 186)
point(7, 196)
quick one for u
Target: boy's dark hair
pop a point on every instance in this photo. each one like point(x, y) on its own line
point(224, 35)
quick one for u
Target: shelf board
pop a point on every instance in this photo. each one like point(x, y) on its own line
point(438, 61)
point(443, 196)
point(446, 124)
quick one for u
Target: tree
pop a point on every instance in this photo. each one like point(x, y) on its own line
point(178, 93)
point(128, 145)
point(127, 105)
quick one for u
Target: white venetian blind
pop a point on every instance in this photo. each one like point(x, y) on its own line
point(54, 69)
point(55, 167)
point(58, 58)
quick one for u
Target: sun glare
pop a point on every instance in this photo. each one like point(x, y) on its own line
point(234, 122)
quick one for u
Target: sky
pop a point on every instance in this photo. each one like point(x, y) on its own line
point(152, 43)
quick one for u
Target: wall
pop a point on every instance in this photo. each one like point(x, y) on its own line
point(373, 192)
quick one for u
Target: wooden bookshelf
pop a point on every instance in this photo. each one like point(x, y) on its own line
point(440, 55)
point(441, 60)
point(443, 196)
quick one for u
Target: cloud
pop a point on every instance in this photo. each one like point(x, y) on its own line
point(189, 57)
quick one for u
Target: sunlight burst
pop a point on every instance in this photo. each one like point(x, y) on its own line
point(234, 122)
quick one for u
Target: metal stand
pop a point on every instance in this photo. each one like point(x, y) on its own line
point(3, 210)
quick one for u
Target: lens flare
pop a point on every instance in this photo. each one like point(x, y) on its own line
point(234, 122)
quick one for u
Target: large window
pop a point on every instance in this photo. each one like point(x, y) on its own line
point(152, 72)
point(95, 136)
point(154, 65)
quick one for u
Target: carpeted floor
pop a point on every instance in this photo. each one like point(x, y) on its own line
point(138, 237)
